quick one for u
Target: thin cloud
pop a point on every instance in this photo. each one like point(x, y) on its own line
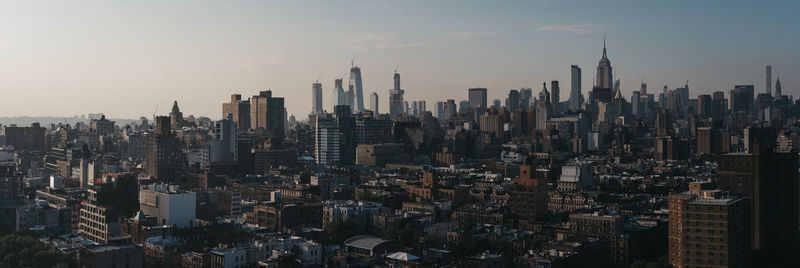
point(574, 28)
point(467, 35)
point(383, 41)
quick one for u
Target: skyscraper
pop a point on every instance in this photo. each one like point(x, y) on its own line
point(338, 97)
point(575, 96)
point(355, 83)
point(769, 80)
point(396, 97)
point(643, 89)
point(543, 109)
point(316, 97)
point(175, 116)
point(512, 102)
point(477, 99)
point(778, 87)
point(440, 110)
point(555, 97)
point(525, 95)
point(604, 75)
point(268, 113)
point(240, 111)
point(373, 104)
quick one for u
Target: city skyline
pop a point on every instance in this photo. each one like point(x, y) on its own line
point(87, 72)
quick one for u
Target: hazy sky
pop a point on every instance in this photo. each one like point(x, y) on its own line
point(124, 58)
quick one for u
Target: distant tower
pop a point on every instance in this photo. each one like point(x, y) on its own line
point(396, 97)
point(477, 99)
point(554, 96)
point(339, 97)
point(643, 89)
point(355, 83)
point(175, 116)
point(543, 108)
point(575, 94)
point(316, 97)
point(778, 87)
point(769, 80)
point(373, 104)
point(604, 75)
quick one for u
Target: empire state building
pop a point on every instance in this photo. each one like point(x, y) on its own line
point(604, 79)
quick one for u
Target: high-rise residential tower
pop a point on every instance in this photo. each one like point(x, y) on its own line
point(554, 96)
point(316, 97)
point(373, 104)
point(575, 97)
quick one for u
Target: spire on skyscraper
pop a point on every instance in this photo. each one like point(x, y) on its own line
point(604, 47)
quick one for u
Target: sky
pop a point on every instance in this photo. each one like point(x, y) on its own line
point(134, 58)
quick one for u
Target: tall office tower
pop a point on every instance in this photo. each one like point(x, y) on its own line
point(719, 105)
point(339, 97)
point(643, 89)
point(604, 75)
point(512, 102)
point(769, 80)
point(497, 104)
point(555, 97)
point(543, 109)
point(373, 104)
point(415, 108)
point(666, 90)
point(175, 116)
point(225, 133)
point(525, 95)
point(268, 113)
point(440, 110)
point(355, 82)
point(316, 97)
point(636, 103)
point(328, 140)
point(778, 93)
point(10, 191)
point(422, 106)
point(575, 96)
point(164, 155)
point(708, 228)
point(240, 111)
point(477, 99)
point(704, 106)
point(770, 179)
point(406, 108)
point(741, 98)
point(463, 107)
point(450, 109)
point(396, 97)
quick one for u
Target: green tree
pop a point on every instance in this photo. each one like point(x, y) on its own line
point(339, 231)
point(18, 250)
